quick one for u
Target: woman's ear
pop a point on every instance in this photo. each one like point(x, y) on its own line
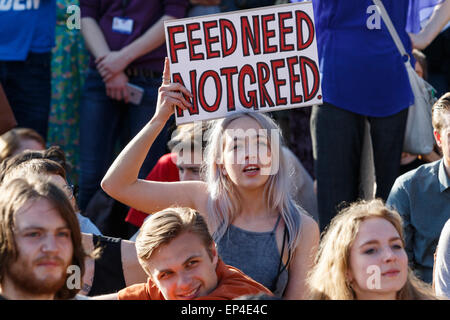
point(348, 277)
point(215, 255)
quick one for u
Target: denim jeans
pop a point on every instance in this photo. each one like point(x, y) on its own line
point(27, 86)
point(107, 125)
point(337, 137)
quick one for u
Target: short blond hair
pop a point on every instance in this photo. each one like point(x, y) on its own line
point(166, 225)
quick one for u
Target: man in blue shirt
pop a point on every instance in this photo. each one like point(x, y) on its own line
point(422, 197)
point(363, 77)
point(27, 33)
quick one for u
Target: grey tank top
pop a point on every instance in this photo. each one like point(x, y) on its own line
point(256, 254)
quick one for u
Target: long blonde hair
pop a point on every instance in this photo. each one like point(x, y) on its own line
point(224, 203)
point(327, 280)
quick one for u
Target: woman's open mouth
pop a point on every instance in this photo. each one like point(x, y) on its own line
point(251, 170)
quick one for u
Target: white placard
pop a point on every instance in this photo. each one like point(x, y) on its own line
point(258, 60)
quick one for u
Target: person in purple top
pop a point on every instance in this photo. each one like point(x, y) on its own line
point(127, 45)
point(363, 76)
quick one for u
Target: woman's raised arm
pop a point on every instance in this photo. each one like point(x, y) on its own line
point(437, 21)
point(121, 181)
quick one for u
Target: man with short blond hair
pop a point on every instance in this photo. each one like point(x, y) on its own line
point(180, 258)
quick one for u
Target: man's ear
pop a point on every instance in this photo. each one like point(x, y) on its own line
point(437, 137)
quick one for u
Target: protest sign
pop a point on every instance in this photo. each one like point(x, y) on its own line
point(258, 60)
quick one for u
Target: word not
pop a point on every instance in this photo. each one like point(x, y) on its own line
point(253, 85)
point(193, 310)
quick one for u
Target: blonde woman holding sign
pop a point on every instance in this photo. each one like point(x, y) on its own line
point(257, 226)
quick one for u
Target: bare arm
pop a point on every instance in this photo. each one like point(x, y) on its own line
point(94, 38)
point(121, 181)
point(303, 259)
point(132, 270)
point(436, 23)
point(303, 185)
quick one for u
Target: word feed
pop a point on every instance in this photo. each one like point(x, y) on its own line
point(252, 60)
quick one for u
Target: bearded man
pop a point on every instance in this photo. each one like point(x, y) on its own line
point(39, 240)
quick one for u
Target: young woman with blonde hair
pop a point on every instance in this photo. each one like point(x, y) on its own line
point(362, 257)
point(246, 201)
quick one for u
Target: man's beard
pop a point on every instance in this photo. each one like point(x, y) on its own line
point(22, 276)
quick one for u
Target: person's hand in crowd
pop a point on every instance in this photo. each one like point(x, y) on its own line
point(111, 64)
point(205, 2)
point(170, 95)
point(116, 87)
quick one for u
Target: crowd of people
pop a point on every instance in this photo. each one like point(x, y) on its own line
point(101, 198)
